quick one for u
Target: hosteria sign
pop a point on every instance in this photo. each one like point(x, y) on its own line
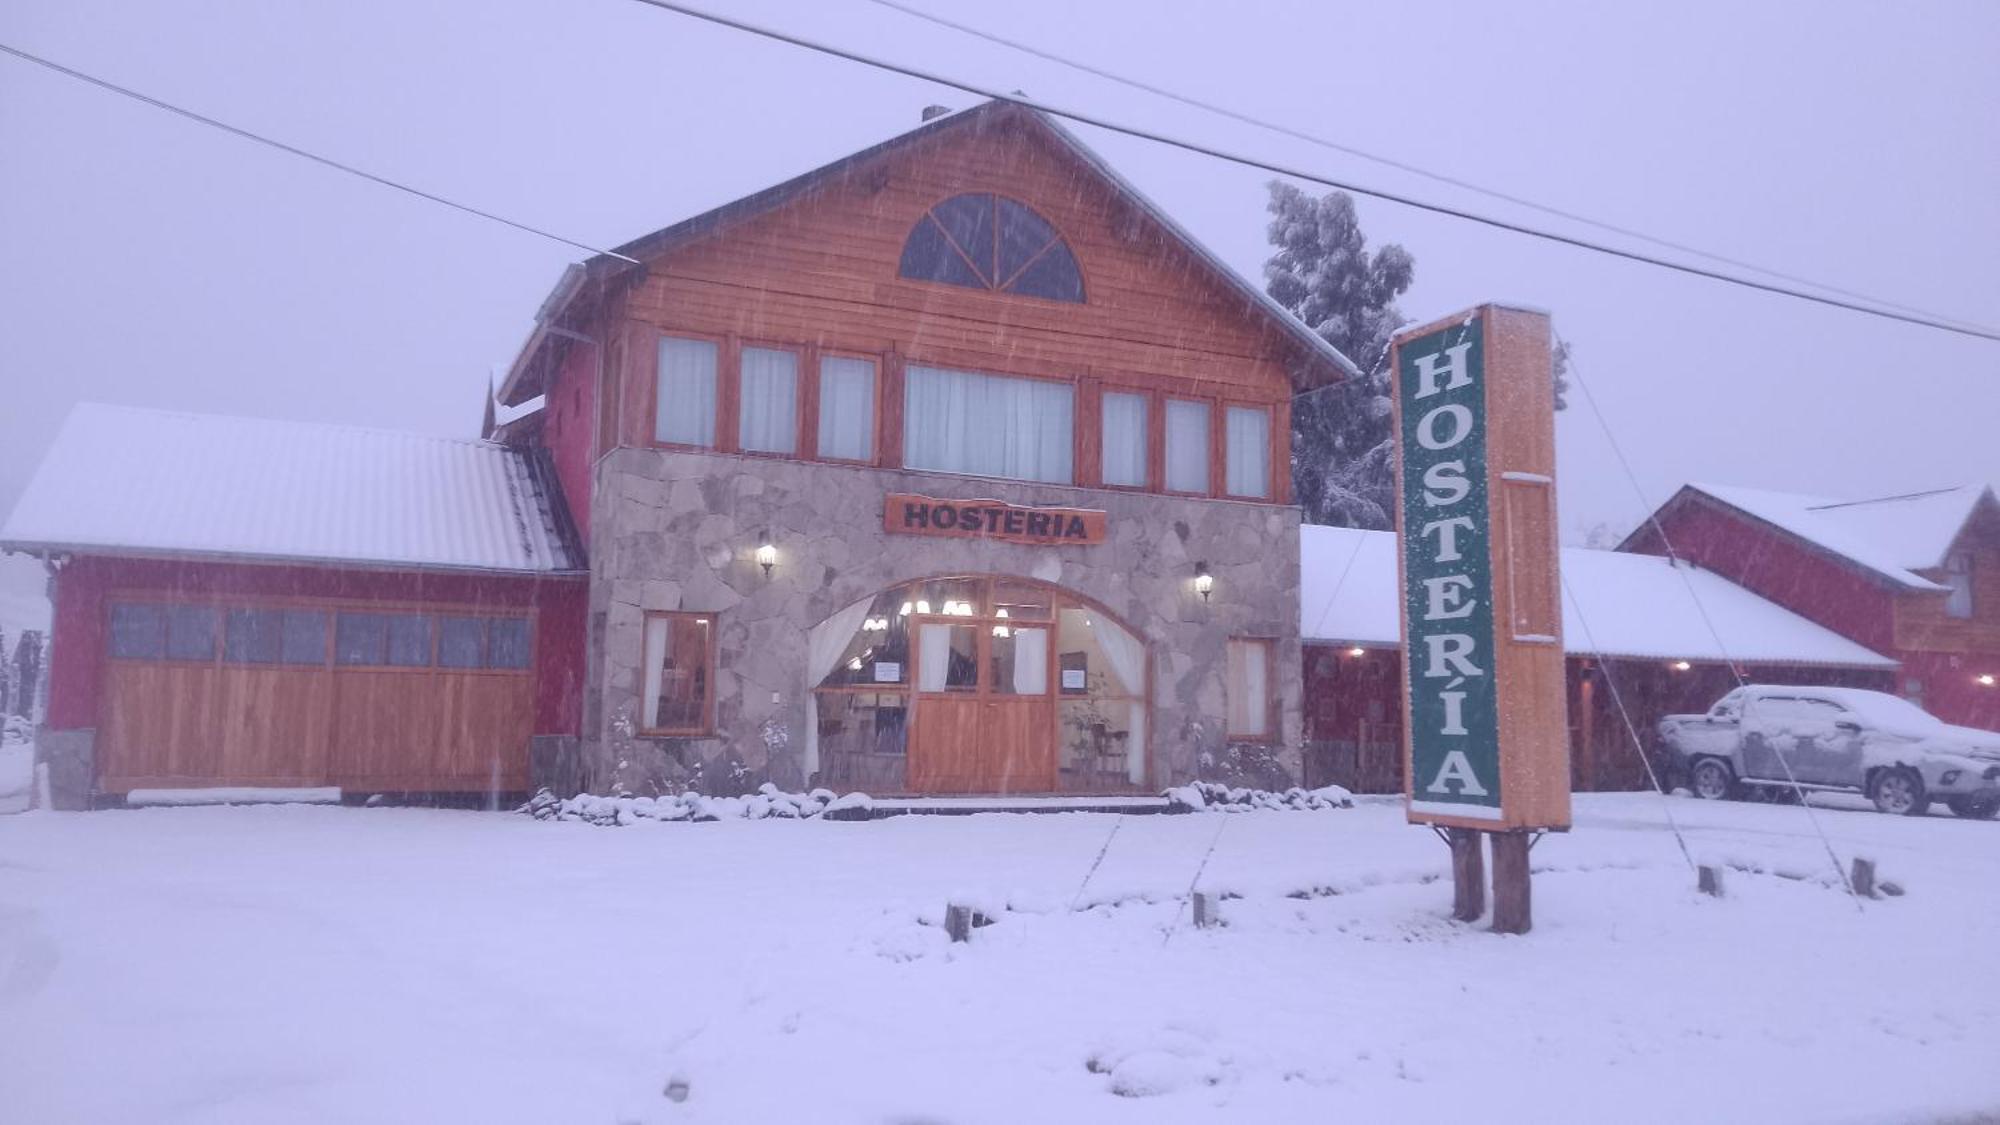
point(1485, 724)
point(992, 519)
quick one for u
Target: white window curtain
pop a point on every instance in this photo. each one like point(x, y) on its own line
point(659, 633)
point(988, 425)
point(846, 408)
point(824, 644)
point(685, 412)
point(1126, 656)
point(1187, 446)
point(933, 657)
point(1249, 689)
point(1031, 661)
point(1249, 446)
point(1124, 439)
point(1958, 580)
point(770, 415)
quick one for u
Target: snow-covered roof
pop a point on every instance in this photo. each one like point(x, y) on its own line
point(124, 480)
point(525, 376)
point(1893, 536)
point(1614, 604)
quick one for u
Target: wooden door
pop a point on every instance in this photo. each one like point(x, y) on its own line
point(971, 733)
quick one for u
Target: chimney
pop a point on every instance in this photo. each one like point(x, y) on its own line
point(931, 111)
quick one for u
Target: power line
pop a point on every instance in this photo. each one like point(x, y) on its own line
point(1926, 320)
point(294, 150)
point(1386, 161)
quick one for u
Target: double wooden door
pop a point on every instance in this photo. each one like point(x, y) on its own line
point(984, 716)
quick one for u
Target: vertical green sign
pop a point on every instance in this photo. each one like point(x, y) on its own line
point(1448, 575)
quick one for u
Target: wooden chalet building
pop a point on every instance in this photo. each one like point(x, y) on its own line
point(954, 466)
point(1915, 577)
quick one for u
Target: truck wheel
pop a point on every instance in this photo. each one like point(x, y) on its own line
point(1974, 808)
point(1712, 780)
point(1899, 791)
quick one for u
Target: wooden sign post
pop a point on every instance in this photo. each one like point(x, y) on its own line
point(1485, 731)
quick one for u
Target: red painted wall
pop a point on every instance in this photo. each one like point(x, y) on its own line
point(83, 586)
point(568, 430)
point(1952, 690)
point(1802, 580)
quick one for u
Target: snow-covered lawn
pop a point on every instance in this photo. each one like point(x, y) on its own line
point(330, 964)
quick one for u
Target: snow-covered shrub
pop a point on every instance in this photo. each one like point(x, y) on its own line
point(768, 802)
point(1212, 796)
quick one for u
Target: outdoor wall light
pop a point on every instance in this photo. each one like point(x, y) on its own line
point(1203, 580)
point(1986, 680)
point(767, 555)
point(1357, 650)
point(1682, 665)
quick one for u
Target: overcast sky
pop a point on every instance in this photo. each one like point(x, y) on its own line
point(145, 259)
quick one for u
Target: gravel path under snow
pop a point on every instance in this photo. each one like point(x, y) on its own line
point(308, 964)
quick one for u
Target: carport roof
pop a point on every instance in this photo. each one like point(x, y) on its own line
point(123, 480)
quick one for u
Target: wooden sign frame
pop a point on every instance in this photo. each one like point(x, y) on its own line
point(1485, 723)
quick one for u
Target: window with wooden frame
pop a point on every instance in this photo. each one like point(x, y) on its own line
point(847, 404)
point(1126, 429)
point(1958, 581)
point(767, 392)
point(1247, 692)
point(677, 686)
point(984, 241)
point(1247, 452)
point(685, 398)
point(1187, 440)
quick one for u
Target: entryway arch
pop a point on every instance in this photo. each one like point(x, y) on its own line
point(978, 684)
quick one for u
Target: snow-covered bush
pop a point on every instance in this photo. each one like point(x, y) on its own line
point(1211, 796)
point(769, 802)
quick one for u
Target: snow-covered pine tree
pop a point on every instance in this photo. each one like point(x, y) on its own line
point(1342, 453)
point(1322, 271)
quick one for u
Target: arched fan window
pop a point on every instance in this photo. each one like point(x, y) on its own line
point(986, 241)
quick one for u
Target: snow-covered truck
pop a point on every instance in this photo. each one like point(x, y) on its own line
point(1827, 738)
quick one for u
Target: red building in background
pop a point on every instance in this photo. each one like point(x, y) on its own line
point(1915, 577)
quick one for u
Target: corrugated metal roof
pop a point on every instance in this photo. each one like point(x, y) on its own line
point(1614, 604)
point(125, 480)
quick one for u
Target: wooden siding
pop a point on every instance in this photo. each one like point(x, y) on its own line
point(1923, 625)
point(821, 273)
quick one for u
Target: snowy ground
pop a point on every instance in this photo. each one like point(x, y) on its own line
point(328, 964)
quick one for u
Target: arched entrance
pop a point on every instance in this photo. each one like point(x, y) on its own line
point(977, 684)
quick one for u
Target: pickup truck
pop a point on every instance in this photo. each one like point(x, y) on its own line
point(1842, 739)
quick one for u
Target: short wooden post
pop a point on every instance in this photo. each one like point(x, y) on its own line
point(1708, 880)
point(1468, 874)
point(1863, 879)
point(958, 922)
point(1205, 913)
point(1513, 911)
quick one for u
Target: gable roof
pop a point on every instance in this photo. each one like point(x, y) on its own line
point(1614, 605)
point(128, 481)
point(541, 350)
point(1891, 537)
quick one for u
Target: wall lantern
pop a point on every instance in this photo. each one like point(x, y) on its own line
point(767, 555)
point(1357, 650)
point(1986, 679)
point(1682, 665)
point(1203, 580)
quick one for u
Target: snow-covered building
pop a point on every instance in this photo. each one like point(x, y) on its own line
point(954, 466)
point(245, 602)
point(1642, 633)
point(1914, 576)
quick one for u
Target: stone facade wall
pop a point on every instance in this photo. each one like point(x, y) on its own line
point(677, 531)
